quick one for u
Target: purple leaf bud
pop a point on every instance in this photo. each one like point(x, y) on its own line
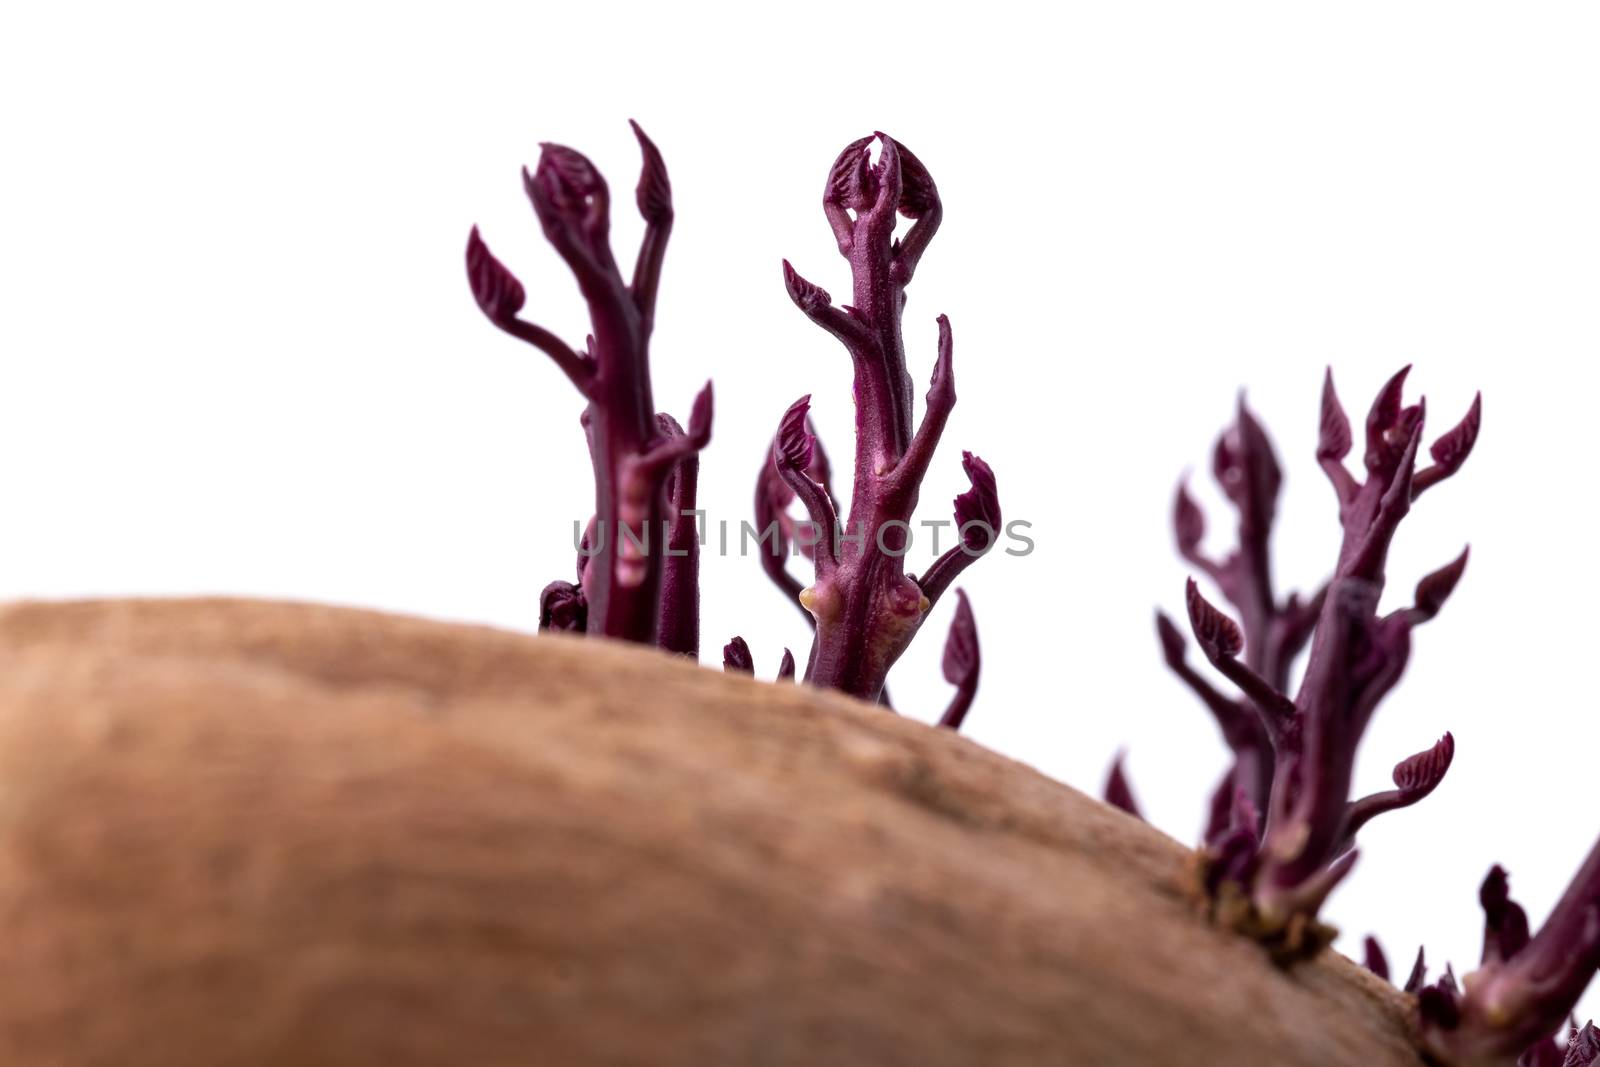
point(495, 288)
point(1333, 435)
point(887, 177)
point(562, 607)
point(850, 180)
point(1252, 478)
point(1451, 450)
point(794, 440)
point(654, 193)
point(1173, 646)
point(918, 194)
point(1389, 424)
point(809, 298)
point(786, 667)
point(1414, 778)
point(961, 659)
point(1218, 636)
point(567, 180)
point(1419, 972)
point(1117, 792)
point(1385, 410)
point(1505, 924)
point(1188, 522)
point(961, 662)
point(736, 657)
point(1374, 959)
point(1417, 776)
point(1434, 589)
point(978, 509)
point(700, 418)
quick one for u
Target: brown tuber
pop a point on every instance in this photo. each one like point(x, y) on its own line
point(240, 833)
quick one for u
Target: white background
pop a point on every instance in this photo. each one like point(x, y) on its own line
point(240, 354)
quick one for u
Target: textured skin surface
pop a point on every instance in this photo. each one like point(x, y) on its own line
point(244, 833)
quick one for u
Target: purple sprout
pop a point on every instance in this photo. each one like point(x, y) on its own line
point(865, 608)
point(961, 664)
point(1508, 1010)
point(1419, 973)
point(736, 659)
point(1373, 958)
point(639, 566)
point(562, 608)
point(1118, 792)
point(1275, 630)
point(1270, 867)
